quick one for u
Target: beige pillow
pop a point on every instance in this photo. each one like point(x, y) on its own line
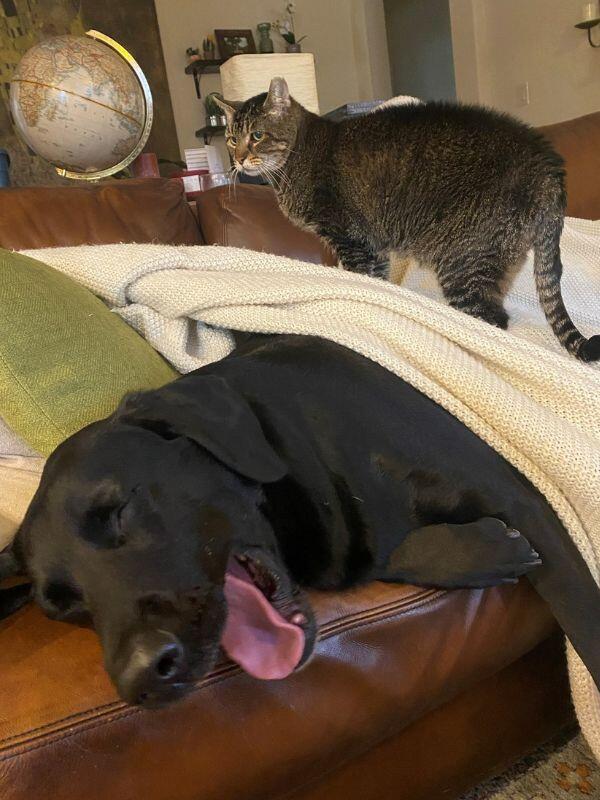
point(19, 478)
point(13, 445)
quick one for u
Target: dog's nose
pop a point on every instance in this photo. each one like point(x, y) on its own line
point(155, 669)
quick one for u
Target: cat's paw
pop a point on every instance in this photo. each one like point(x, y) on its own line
point(494, 315)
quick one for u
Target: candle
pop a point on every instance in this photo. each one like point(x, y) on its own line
point(590, 11)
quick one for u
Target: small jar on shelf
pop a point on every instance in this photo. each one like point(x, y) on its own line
point(265, 43)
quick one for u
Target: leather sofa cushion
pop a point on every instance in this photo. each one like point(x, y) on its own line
point(248, 216)
point(142, 210)
point(386, 655)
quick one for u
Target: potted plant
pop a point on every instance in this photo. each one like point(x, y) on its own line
point(192, 54)
point(208, 48)
point(287, 29)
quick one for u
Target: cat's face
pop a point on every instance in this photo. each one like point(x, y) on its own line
point(261, 132)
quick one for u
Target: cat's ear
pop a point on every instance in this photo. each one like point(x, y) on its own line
point(278, 98)
point(228, 107)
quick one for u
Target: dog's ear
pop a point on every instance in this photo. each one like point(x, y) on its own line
point(212, 414)
point(13, 598)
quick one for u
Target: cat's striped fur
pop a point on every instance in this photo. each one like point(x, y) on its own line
point(463, 189)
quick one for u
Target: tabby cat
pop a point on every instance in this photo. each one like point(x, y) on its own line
point(463, 189)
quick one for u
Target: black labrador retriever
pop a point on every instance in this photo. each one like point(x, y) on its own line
point(196, 514)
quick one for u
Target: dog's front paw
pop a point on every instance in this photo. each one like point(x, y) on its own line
point(512, 554)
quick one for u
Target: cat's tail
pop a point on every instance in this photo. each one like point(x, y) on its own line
point(547, 267)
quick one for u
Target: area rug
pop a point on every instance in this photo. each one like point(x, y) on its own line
point(559, 771)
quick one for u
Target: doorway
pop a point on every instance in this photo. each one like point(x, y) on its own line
point(420, 48)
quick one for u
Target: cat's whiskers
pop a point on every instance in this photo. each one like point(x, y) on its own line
point(279, 175)
point(233, 173)
point(270, 177)
point(275, 180)
point(263, 172)
point(282, 177)
point(230, 180)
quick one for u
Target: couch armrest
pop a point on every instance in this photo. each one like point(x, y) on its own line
point(578, 142)
point(248, 216)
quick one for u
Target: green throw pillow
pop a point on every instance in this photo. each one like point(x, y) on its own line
point(65, 359)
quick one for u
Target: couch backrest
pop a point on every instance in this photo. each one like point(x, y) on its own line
point(248, 216)
point(155, 210)
point(144, 210)
point(578, 142)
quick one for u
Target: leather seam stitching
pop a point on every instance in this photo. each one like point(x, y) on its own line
point(383, 612)
point(224, 214)
point(65, 735)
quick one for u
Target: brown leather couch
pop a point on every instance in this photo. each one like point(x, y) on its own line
point(412, 693)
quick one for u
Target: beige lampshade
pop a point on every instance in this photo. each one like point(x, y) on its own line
point(247, 75)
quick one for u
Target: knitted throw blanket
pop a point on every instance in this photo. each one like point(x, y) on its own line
point(517, 390)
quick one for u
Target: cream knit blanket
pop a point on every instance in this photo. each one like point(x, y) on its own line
point(518, 390)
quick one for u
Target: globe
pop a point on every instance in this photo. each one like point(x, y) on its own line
point(82, 103)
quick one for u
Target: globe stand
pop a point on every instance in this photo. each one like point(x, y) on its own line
point(105, 173)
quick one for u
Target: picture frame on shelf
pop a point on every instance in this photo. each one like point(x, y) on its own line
point(234, 42)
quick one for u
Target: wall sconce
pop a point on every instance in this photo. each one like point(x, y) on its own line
point(590, 18)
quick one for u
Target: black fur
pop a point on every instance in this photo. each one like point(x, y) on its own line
point(463, 189)
point(311, 465)
point(12, 599)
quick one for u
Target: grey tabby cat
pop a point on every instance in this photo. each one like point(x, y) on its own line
point(462, 189)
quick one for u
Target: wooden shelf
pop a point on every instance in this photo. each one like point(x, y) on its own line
point(209, 131)
point(202, 66)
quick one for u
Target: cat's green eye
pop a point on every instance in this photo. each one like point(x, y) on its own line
point(257, 136)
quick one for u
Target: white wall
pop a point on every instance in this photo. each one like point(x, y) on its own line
point(420, 48)
point(501, 44)
point(370, 50)
point(347, 38)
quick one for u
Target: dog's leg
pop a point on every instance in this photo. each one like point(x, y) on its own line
point(13, 599)
point(472, 555)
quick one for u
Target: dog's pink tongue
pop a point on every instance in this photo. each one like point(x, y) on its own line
point(256, 636)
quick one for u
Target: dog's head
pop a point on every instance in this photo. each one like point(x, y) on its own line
point(148, 526)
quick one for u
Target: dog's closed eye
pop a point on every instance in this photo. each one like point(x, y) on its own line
point(102, 526)
point(105, 522)
point(156, 604)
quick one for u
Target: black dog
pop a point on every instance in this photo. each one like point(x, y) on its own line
point(292, 463)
